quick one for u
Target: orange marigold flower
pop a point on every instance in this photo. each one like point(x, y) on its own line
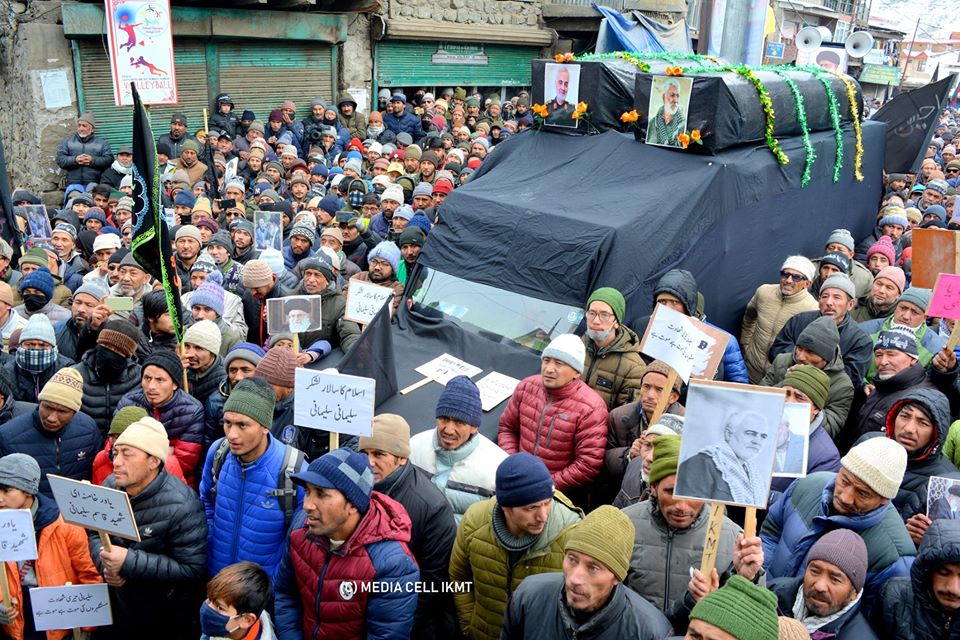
point(684, 140)
point(695, 135)
point(540, 110)
point(674, 71)
point(629, 116)
point(558, 57)
point(582, 107)
point(575, 115)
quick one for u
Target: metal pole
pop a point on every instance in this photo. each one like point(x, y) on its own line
point(903, 76)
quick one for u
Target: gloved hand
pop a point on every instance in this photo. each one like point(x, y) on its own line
point(323, 347)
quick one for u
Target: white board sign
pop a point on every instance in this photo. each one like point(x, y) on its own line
point(94, 507)
point(17, 539)
point(672, 338)
point(333, 402)
point(444, 368)
point(74, 606)
point(364, 300)
point(495, 388)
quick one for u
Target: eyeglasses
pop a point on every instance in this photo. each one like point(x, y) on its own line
point(953, 170)
point(794, 277)
point(603, 315)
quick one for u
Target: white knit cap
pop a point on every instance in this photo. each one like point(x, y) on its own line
point(801, 264)
point(204, 334)
point(879, 462)
point(106, 241)
point(566, 348)
point(394, 193)
point(147, 435)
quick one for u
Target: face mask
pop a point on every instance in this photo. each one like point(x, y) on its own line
point(374, 131)
point(356, 199)
point(36, 360)
point(599, 336)
point(34, 302)
point(108, 364)
point(213, 623)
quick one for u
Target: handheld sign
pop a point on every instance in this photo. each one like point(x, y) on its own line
point(333, 402)
point(70, 607)
point(94, 507)
point(294, 314)
point(945, 302)
point(18, 541)
point(943, 498)
point(364, 300)
point(495, 388)
point(935, 251)
point(677, 341)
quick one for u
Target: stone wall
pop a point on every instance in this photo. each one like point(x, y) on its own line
point(356, 58)
point(511, 12)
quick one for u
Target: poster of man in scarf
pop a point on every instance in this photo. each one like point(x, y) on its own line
point(729, 443)
point(669, 106)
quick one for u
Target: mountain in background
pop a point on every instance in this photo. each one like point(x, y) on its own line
point(938, 18)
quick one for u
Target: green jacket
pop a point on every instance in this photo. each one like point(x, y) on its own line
point(614, 372)
point(951, 447)
point(479, 558)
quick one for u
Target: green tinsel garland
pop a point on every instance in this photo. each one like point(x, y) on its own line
point(804, 128)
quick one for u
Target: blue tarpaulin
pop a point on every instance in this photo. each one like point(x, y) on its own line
point(640, 33)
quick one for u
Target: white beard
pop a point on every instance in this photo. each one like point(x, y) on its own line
point(670, 110)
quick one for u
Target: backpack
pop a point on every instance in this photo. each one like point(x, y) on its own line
point(285, 492)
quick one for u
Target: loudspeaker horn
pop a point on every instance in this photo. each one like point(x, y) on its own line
point(808, 39)
point(858, 44)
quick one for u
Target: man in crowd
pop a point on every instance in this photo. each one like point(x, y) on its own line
point(202, 359)
point(612, 359)
point(36, 361)
point(240, 362)
point(334, 331)
point(884, 293)
point(109, 370)
point(909, 314)
point(83, 155)
point(520, 532)
point(384, 261)
point(175, 139)
point(88, 313)
point(575, 417)
point(738, 610)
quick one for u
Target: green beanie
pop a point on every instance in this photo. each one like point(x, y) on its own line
point(742, 609)
point(613, 298)
point(254, 398)
point(666, 458)
point(811, 382)
point(124, 418)
point(606, 534)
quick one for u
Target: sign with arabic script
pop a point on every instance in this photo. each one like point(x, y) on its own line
point(364, 300)
point(333, 402)
point(94, 507)
point(18, 541)
point(71, 607)
point(690, 347)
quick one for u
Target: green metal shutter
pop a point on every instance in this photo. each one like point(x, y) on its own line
point(410, 62)
point(114, 123)
point(260, 76)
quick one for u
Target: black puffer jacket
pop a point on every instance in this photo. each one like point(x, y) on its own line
point(11, 408)
point(27, 386)
point(165, 571)
point(908, 609)
point(872, 416)
point(334, 329)
point(96, 148)
point(100, 398)
point(72, 341)
point(228, 122)
point(431, 541)
point(207, 382)
point(68, 452)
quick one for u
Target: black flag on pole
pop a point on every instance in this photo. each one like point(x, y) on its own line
point(9, 230)
point(911, 118)
point(150, 243)
point(372, 356)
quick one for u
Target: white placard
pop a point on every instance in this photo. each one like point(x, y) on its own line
point(672, 338)
point(361, 97)
point(495, 388)
point(364, 300)
point(333, 402)
point(94, 507)
point(444, 368)
point(17, 538)
point(74, 606)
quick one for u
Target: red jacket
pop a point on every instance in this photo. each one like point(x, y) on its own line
point(565, 427)
point(103, 464)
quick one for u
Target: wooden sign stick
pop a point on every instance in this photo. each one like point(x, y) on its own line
point(5, 586)
point(334, 440)
point(415, 386)
point(105, 541)
point(710, 543)
point(954, 339)
point(664, 397)
point(296, 344)
point(750, 522)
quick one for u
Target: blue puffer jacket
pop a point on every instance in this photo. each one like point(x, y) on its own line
point(245, 522)
point(68, 452)
point(803, 514)
point(405, 123)
point(73, 146)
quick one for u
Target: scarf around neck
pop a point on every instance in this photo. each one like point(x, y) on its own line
point(812, 622)
point(742, 477)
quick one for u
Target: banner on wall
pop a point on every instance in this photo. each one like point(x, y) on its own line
point(141, 51)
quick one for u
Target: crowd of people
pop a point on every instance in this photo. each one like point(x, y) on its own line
point(564, 526)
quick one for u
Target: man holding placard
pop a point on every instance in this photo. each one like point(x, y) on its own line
point(158, 581)
point(63, 555)
point(384, 260)
point(319, 279)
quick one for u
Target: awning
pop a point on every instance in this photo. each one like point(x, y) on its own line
point(383, 29)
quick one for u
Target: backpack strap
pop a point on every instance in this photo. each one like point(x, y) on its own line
point(219, 457)
point(286, 491)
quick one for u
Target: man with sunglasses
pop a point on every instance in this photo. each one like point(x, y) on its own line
point(770, 308)
point(953, 173)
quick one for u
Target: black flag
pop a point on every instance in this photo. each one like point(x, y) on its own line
point(9, 230)
point(150, 243)
point(372, 356)
point(911, 118)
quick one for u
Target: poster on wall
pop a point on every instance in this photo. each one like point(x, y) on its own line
point(832, 57)
point(141, 50)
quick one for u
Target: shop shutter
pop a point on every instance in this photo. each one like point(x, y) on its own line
point(260, 76)
point(408, 62)
point(114, 123)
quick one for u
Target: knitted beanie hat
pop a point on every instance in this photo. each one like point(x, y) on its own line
point(386, 250)
point(894, 215)
point(222, 239)
point(899, 340)
point(38, 327)
point(809, 381)
point(124, 418)
point(566, 348)
point(344, 470)
point(278, 367)
point(605, 534)
point(880, 463)
point(148, 435)
point(667, 424)
point(257, 273)
point(20, 471)
point(821, 337)
point(168, 361)
point(894, 275)
point(844, 549)
point(93, 289)
point(204, 334)
point(658, 366)
point(41, 280)
point(120, 336)
point(254, 398)
point(666, 458)
point(6, 294)
point(65, 388)
point(802, 265)
point(209, 294)
point(842, 282)
point(839, 260)
point(791, 629)
point(613, 299)
point(522, 479)
point(742, 609)
point(460, 400)
point(390, 433)
point(883, 246)
point(304, 231)
point(917, 296)
point(244, 351)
